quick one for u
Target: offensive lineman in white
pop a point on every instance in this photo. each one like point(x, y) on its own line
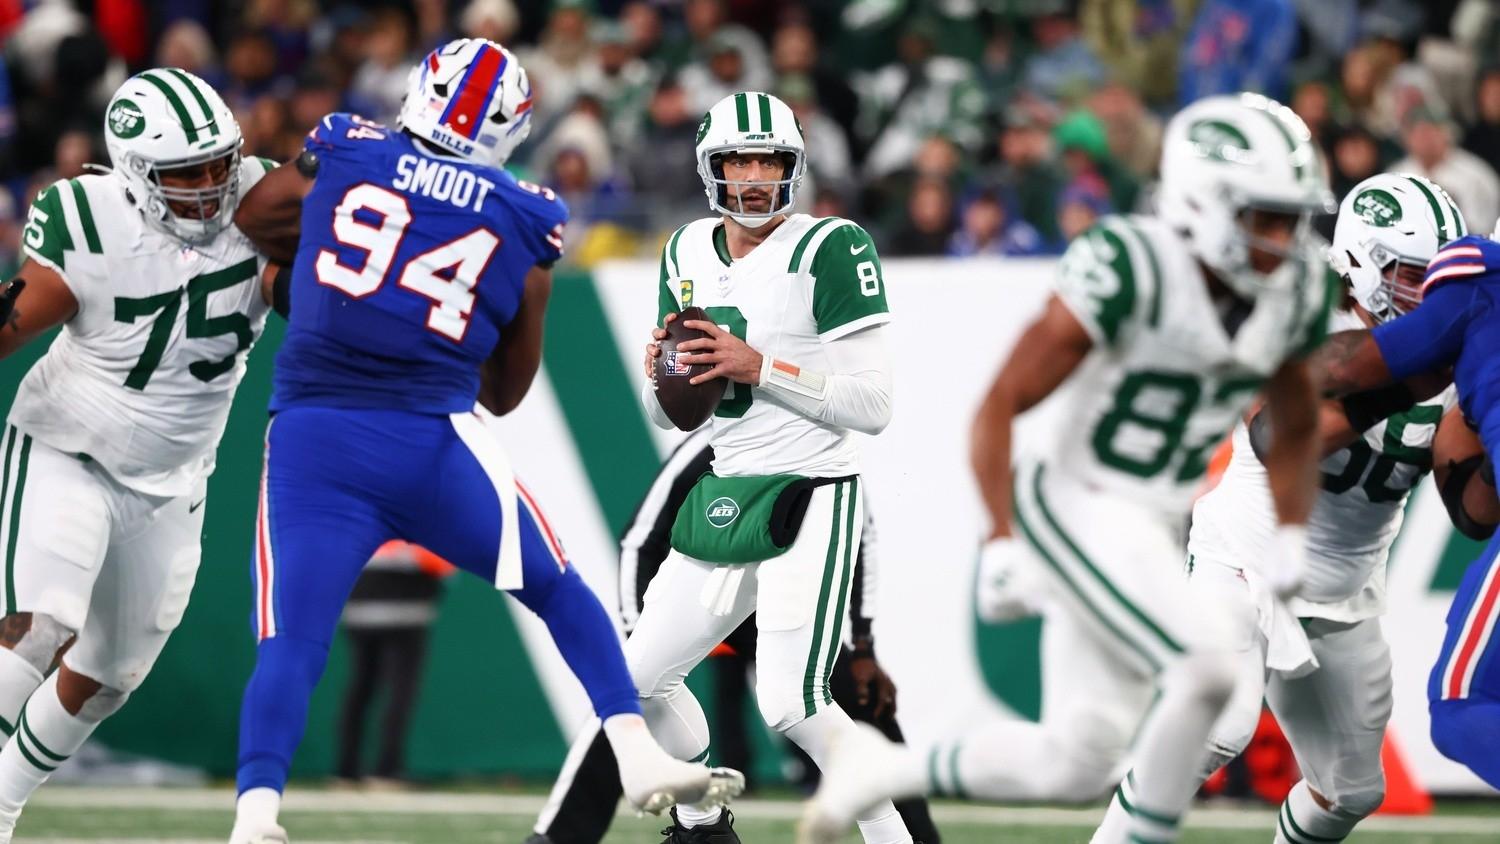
point(113, 433)
point(1319, 658)
point(799, 313)
point(1163, 329)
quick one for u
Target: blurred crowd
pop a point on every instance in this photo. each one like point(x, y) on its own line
point(947, 127)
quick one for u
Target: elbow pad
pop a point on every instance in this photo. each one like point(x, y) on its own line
point(307, 164)
point(1365, 409)
point(1452, 493)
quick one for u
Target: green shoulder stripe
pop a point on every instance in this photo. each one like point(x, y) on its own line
point(268, 163)
point(666, 302)
point(47, 236)
point(86, 217)
point(807, 237)
point(671, 251)
point(1152, 289)
point(848, 283)
point(1096, 278)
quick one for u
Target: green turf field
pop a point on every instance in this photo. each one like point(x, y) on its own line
point(182, 816)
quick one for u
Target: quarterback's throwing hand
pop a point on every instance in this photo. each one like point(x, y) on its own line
point(732, 357)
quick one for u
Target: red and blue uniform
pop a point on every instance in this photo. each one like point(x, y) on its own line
point(1458, 325)
point(409, 268)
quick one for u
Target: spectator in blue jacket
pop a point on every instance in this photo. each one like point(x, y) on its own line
point(1238, 45)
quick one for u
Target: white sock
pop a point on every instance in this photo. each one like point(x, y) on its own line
point(1169, 749)
point(881, 824)
point(18, 679)
point(46, 735)
point(257, 808)
point(690, 815)
point(1009, 759)
point(1303, 821)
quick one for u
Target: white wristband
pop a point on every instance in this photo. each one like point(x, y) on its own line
point(780, 375)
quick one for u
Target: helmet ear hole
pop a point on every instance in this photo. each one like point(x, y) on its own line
point(1353, 261)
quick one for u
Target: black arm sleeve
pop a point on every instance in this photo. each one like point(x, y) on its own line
point(1364, 409)
point(864, 563)
point(281, 292)
point(1453, 495)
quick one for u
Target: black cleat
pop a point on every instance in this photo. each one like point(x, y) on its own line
point(718, 832)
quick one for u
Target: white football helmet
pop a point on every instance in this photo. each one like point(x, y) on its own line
point(1223, 156)
point(1388, 222)
point(750, 122)
point(167, 119)
point(469, 97)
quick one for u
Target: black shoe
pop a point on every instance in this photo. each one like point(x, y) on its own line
point(718, 832)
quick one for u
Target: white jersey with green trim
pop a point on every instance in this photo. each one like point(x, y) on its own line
point(1354, 520)
point(1165, 381)
point(141, 378)
point(812, 281)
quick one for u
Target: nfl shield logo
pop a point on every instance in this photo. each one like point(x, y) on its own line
point(673, 367)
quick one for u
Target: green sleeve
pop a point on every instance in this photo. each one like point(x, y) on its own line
point(1097, 283)
point(46, 236)
point(848, 285)
point(666, 302)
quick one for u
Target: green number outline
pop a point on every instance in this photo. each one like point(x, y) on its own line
point(740, 398)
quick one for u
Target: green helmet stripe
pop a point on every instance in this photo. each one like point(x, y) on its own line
point(1437, 210)
point(765, 112)
point(86, 216)
point(1458, 219)
point(208, 113)
point(176, 103)
point(1291, 143)
point(742, 112)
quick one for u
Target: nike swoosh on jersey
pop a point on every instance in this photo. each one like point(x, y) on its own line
point(193, 508)
point(853, 251)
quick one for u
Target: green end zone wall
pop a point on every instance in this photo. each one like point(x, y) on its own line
point(495, 700)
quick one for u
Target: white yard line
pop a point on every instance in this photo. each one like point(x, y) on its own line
point(419, 803)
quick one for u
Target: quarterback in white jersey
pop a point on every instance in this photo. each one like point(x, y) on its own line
point(112, 434)
point(1158, 336)
point(798, 316)
point(1319, 658)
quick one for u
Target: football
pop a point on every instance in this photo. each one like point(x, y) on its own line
point(687, 405)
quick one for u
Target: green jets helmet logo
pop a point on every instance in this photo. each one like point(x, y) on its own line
point(703, 127)
point(1377, 207)
point(1218, 139)
point(722, 512)
point(126, 119)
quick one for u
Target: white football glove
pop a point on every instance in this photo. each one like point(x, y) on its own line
point(1007, 586)
point(1287, 565)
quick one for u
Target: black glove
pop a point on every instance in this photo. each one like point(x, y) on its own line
point(8, 298)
